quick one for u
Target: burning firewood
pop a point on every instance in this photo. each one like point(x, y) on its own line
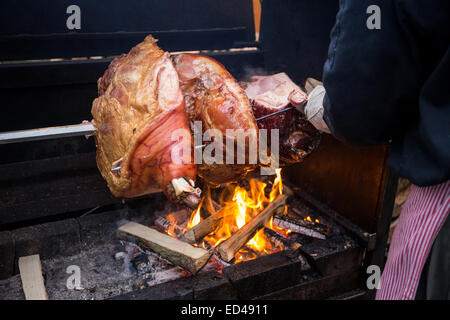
point(165, 225)
point(206, 226)
point(176, 251)
point(229, 247)
point(209, 204)
point(311, 229)
point(279, 239)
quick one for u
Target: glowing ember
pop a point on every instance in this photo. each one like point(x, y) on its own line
point(284, 232)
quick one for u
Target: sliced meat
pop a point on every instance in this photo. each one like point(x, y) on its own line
point(269, 94)
point(215, 98)
point(140, 104)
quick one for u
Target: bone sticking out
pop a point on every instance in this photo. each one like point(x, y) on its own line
point(279, 239)
point(233, 244)
point(186, 192)
point(206, 226)
point(178, 252)
point(300, 226)
point(181, 185)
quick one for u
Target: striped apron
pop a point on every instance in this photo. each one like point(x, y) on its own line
point(422, 216)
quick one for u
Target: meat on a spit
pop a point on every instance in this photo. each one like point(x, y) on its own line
point(145, 95)
point(140, 103)
point(269, 94)
point(215, 98)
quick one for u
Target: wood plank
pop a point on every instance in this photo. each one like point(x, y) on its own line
point(32, 280)
point(176, 251)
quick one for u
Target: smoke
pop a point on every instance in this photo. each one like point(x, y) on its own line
point(250, 71)
point(131, 250)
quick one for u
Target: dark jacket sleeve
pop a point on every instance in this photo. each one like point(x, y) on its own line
point(370, 76)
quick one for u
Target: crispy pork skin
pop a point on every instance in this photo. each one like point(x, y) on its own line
point(140, 104)
point(269, 94)
point(215, 98)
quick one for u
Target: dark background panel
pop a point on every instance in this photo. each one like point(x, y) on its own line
point(25, 47)
point(37, 95)
point(61, 93)
point(49, 16)
point(295, 35)
point(37, 29)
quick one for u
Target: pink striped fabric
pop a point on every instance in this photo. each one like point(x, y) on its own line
point(422, 216)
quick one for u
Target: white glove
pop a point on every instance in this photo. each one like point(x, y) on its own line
point(314, 109)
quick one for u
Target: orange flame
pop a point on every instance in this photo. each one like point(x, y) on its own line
point(171, 228)
point(240, 208)
point(195, 217)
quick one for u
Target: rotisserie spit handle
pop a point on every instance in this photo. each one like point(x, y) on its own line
point(82, 129)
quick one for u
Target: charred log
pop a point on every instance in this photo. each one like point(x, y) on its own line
point(281, 240)
point(311, 229)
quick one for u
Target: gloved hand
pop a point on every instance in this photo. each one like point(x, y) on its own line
point(313, 109)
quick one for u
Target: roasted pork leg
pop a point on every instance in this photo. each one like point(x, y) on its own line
point(140, 104)
point(214, 98)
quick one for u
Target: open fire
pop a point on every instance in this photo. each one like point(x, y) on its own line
point(237, 223)
point(243, 207)
point(239, 205)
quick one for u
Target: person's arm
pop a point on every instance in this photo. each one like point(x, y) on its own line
point(370, 76)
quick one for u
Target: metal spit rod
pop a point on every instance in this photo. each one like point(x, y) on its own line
point(74, 130)
point(82, 129)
